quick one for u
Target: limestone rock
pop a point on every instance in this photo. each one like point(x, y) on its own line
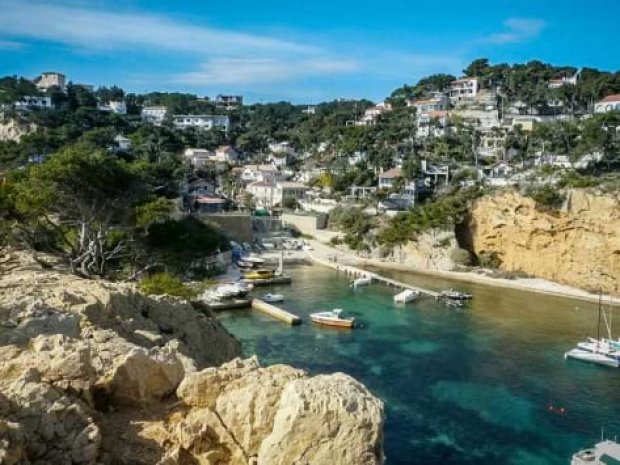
point(325, 419)
point(579, 245)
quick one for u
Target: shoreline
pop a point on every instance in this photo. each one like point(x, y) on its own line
point(534, 285)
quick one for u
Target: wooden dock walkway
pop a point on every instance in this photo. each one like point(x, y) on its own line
point(276, 312)
point(359, 273)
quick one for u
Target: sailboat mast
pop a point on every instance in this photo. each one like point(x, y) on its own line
point(598, 325)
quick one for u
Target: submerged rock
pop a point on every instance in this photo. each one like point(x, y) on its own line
point(97, 373)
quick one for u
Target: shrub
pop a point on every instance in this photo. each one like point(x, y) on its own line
point(489, 259)
point(546, 197)
point(336, 240)
point(164, 283)
point(461, 257)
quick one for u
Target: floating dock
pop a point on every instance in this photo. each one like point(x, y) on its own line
point(272, 310)
point(359, 273)
point(220, 306)
point(268, 281)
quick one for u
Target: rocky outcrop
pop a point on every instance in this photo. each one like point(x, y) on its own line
point(431, 250)
point(97, 373)
point(12, 130)
point(578, 245)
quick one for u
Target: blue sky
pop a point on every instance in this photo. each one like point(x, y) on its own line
point(296, 50)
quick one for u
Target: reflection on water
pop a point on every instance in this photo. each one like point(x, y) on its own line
point(460, 387)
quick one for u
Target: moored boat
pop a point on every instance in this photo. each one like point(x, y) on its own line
point(333, 318)
point(603, 453)
point(453, 294)
point(258, 274)
point(407, 295)
point(272, 298)
point(592, 357)
point(359, 282)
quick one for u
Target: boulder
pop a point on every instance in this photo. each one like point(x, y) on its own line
point(325, 419)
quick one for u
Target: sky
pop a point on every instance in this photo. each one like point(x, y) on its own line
point(296, 50)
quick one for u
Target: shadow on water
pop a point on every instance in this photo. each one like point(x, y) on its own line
point(460, 387)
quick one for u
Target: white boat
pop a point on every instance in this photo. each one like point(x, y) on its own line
point(603, 453)
point(603, 351)
point(455, 303)
point(453, 294)
point(359, 282)
point(592, 357)
point(333, 318)
point(272, 298)
point(407, 295)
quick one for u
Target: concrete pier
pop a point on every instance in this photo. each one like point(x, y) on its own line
point(272, 310)
point(355, 272)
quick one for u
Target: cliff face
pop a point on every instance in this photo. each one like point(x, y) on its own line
point(97, 373)
point(578, 245)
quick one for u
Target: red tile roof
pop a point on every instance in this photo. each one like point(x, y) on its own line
point(391, 174)
point(612, 98)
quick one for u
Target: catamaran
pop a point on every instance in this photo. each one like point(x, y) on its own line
point(453, 294)
point(602, 351)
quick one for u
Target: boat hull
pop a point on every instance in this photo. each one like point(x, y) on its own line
point(591, 357)
point(335, 323)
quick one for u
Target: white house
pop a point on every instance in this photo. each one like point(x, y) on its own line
point(259, 173)
point(609, 103)
point(228, 102)
point(27, 102)
point(154, 115)
point(50, 79)
point(560, 82)
point(227, 154)
point(122, 142)
point(205, 122)
point(279, 159)
point(435, 172)
point(389, 177)
point(198, 157)
point(115, 106)
point(270, 194)
point(357, 158)
point(463, 89)
point(372, 113)
point(434, 123)
point(560, 161)
point(438, 102)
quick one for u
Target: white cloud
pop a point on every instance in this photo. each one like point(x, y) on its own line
point(518, 30)
point(252, 71)
point(103, 30)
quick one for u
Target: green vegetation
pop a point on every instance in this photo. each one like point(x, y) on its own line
point(546, 197)
point(164, 283)
point(461, 257)
point(445, 212)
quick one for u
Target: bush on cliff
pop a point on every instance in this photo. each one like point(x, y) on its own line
point(164, 283)
point(546, 197)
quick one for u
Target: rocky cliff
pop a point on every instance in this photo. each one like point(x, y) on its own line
point(12, 130)
point(97, 373)
point(578, 245)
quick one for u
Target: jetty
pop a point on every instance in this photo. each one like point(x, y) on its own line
point(355, 272)
point(276, 312)
point(268, 281)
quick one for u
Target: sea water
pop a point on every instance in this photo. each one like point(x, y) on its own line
point(487, 384)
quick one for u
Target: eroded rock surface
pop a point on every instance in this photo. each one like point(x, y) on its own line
point(97, 373)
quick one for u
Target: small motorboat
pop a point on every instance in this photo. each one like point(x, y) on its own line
point(455, 303)
point(333, 318)
point(272, 298)
point(407, 295)
point(592, 357)
point(359, 282)
point(258, 274)
point(453, 294)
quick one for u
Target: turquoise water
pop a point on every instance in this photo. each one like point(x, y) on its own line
point(460, 387)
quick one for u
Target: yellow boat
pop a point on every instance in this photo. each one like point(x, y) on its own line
point(258, 274)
